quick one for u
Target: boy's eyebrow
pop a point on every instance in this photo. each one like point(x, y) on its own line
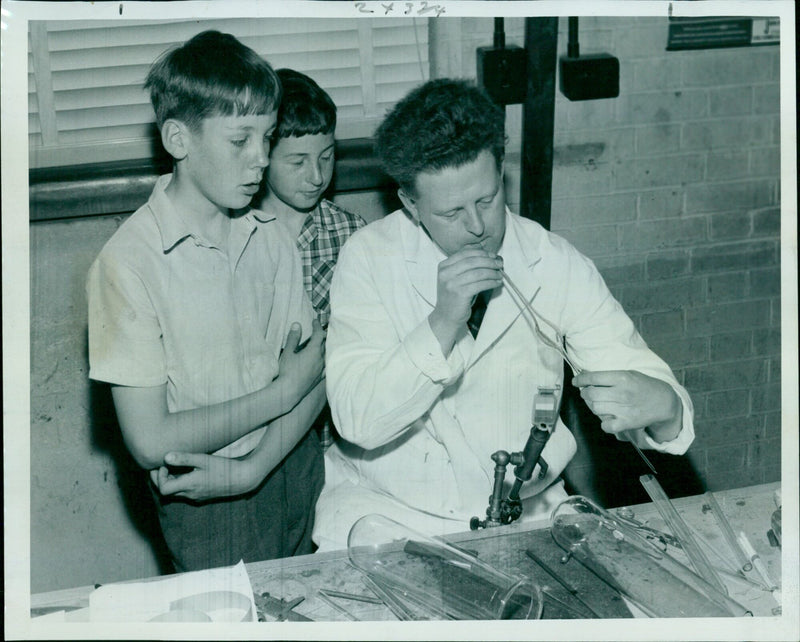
point(245, 128)
point(331, 146)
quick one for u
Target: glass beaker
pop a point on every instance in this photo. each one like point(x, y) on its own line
point(435, 579)
point(652, 579)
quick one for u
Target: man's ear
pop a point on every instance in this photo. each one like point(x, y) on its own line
point(409, 204)
point(175, 138)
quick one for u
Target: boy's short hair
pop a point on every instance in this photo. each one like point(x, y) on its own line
point(442, 123)
point(305, 109)
point(213, 74)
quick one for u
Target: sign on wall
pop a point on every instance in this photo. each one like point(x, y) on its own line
point(708, 33)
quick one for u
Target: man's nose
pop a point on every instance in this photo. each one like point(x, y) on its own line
point(474, 222)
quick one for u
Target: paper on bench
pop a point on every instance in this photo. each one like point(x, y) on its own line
point(215, 595)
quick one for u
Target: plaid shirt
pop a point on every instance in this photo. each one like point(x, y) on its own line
point(322, 236)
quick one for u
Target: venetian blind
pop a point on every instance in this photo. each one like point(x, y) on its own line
point(85, 98)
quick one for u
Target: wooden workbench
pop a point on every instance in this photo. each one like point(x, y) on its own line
point(747, 509)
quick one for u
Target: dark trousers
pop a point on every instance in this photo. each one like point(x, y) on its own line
point(274, 520)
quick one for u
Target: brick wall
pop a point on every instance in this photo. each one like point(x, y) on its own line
point(673, 190)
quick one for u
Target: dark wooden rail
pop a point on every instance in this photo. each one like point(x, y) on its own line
point(114, 188)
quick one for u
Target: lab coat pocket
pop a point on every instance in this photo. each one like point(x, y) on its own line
point(418, 473)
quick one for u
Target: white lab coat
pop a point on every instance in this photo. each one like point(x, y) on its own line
point(420, 429)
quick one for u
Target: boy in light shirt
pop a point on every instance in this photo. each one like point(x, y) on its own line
point(196, 309)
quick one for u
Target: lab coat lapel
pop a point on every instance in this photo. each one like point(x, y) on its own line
point(422, 260)
point(518, 263)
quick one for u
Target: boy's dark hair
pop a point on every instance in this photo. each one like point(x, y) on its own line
point(305, 109)
point(213, 74)
point(442, 123)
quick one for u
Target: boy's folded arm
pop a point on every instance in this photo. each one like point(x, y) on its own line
point(213, 476)
point(150, 430)
point(281, 436)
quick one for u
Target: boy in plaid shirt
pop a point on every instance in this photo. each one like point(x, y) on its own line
point(300, 170)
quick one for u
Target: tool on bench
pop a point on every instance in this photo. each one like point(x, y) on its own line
point(758, 564)
point(504, 511)
point(327, 595)
point(351, 596)
point(774, 533)
point(323, 595)
point(570, 589)
point(549, 596)
point(280, 609)
point(38, 611)
point(559, 344)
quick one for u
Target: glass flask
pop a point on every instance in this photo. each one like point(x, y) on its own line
point(653, 580)
point(435, 580)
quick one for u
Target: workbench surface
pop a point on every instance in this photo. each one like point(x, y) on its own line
point(747, 509)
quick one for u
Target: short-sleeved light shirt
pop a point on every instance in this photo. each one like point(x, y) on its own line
point(168, 306)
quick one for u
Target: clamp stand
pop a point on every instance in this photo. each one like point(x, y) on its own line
point(504, 511)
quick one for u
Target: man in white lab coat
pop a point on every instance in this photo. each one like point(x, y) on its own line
point(420, 403)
